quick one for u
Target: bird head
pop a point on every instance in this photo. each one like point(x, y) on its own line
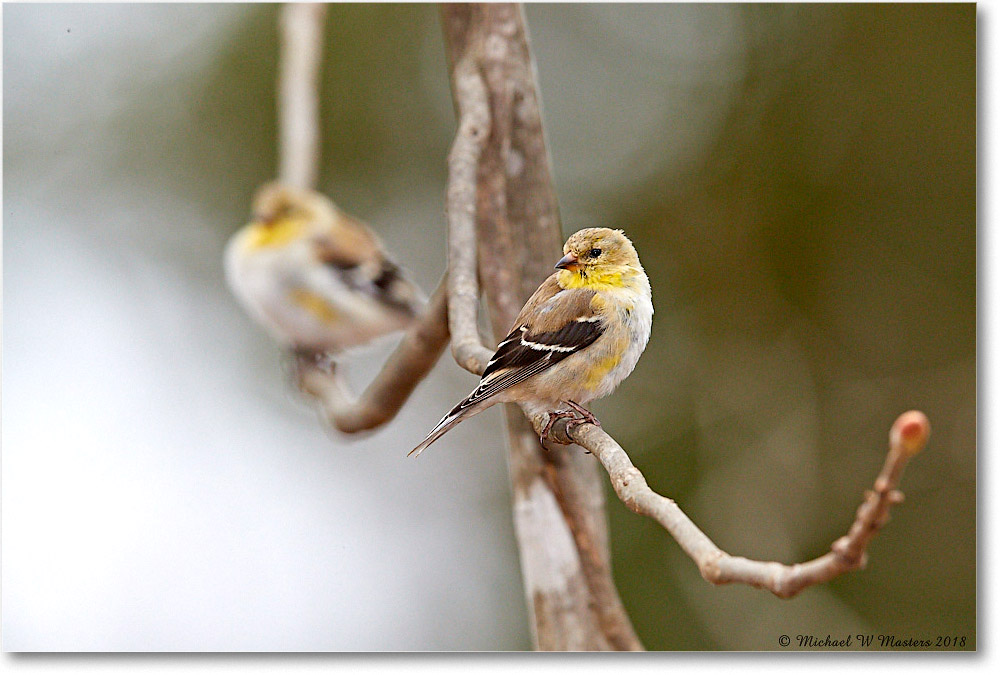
point(283, 214)
point(597, 253)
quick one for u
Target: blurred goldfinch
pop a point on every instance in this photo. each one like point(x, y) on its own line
point(317, 279)
point(578, 336)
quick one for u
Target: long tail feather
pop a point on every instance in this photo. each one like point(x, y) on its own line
point(443, 427)
point(454, 416)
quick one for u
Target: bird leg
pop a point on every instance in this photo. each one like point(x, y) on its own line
point(586, 417)
point(574, 418)
point(314, 358)
point(311, 360)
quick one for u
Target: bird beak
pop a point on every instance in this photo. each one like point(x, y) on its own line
point(568, 262)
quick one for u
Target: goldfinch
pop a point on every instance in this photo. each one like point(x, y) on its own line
point(578, 336)
point(317, 279)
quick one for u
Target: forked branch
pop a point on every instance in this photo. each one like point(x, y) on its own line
point(907, 437)
point(503, 233)
point(454, 308)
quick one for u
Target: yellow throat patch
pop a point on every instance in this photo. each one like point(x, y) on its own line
point(606, 280)
point(274, 235)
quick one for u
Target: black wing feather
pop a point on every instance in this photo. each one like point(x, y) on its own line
point(571, 338)
point(521, 360)
point(387, 286)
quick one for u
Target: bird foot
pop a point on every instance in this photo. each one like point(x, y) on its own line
point(575, 417)
point(586, 417)
point(307, 363)
point(310, 358)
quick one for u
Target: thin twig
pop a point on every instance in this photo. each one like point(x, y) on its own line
point(406, 367)
point(298, 99)
point(460, 207)
point(907, 437)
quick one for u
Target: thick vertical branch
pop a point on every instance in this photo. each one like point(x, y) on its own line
point(558, 500)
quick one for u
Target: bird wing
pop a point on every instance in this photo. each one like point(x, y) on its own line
point(554, 324)
point(354, 255)
point(347, 242)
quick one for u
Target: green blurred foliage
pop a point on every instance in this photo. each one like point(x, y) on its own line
point(814, 273)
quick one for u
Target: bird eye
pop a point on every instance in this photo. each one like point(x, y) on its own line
point(594, 252)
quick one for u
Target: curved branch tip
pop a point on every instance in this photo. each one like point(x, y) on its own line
point(910, 432)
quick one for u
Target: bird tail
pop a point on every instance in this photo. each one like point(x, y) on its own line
point(457, 414)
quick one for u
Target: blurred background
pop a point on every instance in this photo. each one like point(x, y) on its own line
point(800, 181)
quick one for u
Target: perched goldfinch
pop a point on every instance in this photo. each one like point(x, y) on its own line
point(316, 278)
point(578, 336)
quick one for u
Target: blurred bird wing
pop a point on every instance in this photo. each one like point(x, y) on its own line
point(347, 242)
point(352, 253)
point(554, 324)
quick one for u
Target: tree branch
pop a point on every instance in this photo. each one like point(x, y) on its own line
point(298, 100)
point(502, 211)
point(500, 193)
point(907, 437)
point(406, 367)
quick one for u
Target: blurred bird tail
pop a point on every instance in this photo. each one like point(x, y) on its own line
point(460, 412)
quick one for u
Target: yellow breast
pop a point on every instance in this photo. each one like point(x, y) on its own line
point(605, 278)
point(599, 370)
point(314, 304)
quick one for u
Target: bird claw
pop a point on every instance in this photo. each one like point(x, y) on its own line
point(574, 418)
point(586, 417)
point(553, 416)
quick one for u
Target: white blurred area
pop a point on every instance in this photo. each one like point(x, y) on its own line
point(163, 488)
